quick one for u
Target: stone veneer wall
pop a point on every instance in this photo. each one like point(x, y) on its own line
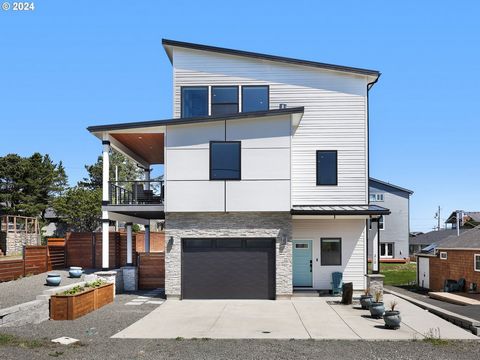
point(252, 224)
point(12, 243)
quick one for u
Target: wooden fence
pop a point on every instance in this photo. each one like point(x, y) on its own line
point(85, 250)
point(151, 270)
point(36, 260)
point(56, 249)
point(157, 241)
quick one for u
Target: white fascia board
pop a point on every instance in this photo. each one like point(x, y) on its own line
point(127, 218)
point(330, 217)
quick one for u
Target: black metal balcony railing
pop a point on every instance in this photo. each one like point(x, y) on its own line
point(136, 193)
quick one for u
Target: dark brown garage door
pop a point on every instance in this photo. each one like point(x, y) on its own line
point(228, 268)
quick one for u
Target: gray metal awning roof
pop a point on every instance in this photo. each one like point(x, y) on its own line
point(339, 210)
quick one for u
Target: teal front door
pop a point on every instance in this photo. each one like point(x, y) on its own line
point(302, 263)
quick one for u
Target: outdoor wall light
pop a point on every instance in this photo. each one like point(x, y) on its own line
point(170, 241)
point(284, 240)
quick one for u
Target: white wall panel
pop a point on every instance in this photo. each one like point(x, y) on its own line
point(188, 164)
point(273, 164)
point(195, 196)
point(258, 195)
point(261, 133)
point(195, 135)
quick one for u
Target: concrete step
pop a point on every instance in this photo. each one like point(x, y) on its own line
point(453, 298)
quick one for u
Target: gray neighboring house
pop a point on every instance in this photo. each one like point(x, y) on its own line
point(395, 228)
point(428, 242)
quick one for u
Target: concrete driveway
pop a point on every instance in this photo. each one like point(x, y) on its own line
point(299, 318)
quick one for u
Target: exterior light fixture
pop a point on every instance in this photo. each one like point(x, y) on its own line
point(283, 240)
point(170, 241)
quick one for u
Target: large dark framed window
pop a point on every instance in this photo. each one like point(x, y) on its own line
point(327, 167)
point(225, 160)
point(224, 100)
point(194, 101)
point(331, 251)
point(255, 98)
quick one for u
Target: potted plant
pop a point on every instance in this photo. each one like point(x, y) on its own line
point(392, 317)
point(377, 308)
point(366, 299)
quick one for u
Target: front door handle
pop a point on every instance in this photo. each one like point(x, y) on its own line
point(310, 265)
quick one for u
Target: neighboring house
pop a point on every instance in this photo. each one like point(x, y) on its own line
point(266, 174)
point(427, 242)
point(395, 228)
point(468, 219)
point(54, 226)
point(456, 257)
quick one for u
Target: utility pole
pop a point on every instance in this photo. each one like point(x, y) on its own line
point(437, 216)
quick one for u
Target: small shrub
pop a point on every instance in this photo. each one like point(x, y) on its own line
point(74, 290)
point(95, 284)
point(378, 296)
point(367, 291)
point(393, 305)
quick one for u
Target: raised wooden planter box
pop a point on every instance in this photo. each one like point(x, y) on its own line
point(71, 307)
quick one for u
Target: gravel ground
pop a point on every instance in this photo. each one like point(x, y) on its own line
point(95, 329)
point(27, 288)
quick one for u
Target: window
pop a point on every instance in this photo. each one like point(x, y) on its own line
point(476, 262)
point(254, 98)
point(376, 197)
point(224, 100)
point(331, 251)
point(197, 243)
point(194, 101)
point(225, 160)
point(386, 250)
point(229, 243)
point(259, 243)
point(301, 246)
point(326, 167)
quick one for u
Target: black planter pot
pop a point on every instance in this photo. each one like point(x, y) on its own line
point(366, 301)
point(392, 319)
point(377, 309)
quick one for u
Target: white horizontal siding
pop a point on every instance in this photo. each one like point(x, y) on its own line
point(334, 119)
point(352, 233)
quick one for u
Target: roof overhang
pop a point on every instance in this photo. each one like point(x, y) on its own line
point(143, 142)
point(168, 45)
point(339, 211)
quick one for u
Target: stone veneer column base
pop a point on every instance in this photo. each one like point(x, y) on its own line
point(375, 283)
point(114, 277)
point(130, 278)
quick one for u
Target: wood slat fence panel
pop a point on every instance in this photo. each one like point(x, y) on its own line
point(151, 270)
point(11, 269)
point(35, 259)
point(157, 242)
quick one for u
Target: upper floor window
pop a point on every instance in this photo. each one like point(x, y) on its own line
point(376, 197)
point(255, 98)
point(225, 160)
point(326, 167)
point(194, 101)
point(224, 100)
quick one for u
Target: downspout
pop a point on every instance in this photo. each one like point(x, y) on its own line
point(369, 86)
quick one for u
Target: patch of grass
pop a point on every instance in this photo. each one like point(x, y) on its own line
point(14, 341)
point(433, 337)
point(179, 338)
point(398, 274)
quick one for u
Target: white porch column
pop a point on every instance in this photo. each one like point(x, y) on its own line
point(147, 178)
point(105, 199)
point(376, 246)
point(129, 244)
point(147, 238)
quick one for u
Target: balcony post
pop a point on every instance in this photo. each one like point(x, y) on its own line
point(129, 244)
point(105, 200)
point(147, 178)
point(147, 238)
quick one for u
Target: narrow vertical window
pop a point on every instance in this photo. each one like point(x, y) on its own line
point(327, 167)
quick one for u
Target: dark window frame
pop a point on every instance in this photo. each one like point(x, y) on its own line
point(253, 86)
point(331, 238)
point(239, 159)
point(192, 87)
point(336, 167)
point(224, 86)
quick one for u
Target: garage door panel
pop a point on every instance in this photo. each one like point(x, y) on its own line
point(228, 273)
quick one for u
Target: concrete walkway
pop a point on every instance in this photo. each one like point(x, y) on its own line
point(299, 318)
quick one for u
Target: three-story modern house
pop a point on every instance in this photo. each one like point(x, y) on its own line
point(266, 174)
